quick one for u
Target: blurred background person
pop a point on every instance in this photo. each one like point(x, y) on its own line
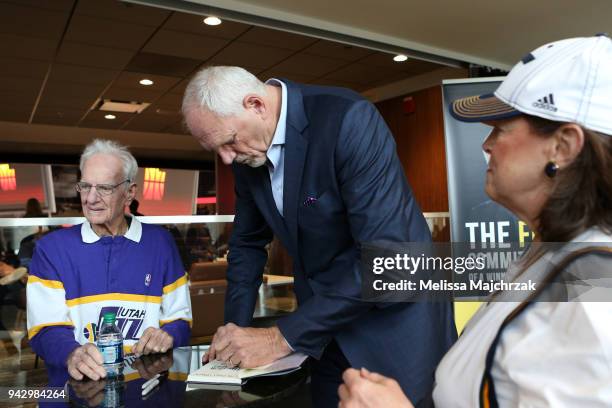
point(14, 267)
point(33, 209)
point(134, 208)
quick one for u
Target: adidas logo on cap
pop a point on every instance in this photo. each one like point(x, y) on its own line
point(546, 102)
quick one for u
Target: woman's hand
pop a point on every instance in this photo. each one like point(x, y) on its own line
point(363, 389)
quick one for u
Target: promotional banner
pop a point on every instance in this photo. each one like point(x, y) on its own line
point(474, 217)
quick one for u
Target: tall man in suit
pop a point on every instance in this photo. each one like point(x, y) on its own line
point(316, 166)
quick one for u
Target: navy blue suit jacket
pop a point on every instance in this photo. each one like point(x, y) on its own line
point(343, 185)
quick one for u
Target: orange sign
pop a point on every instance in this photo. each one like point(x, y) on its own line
point(154, 180)
point(7, 178)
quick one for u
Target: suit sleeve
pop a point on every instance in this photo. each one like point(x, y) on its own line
point(50, 330)
point(247, 256)
point(379, 206)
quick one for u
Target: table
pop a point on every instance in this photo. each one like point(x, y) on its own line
point(290, 390)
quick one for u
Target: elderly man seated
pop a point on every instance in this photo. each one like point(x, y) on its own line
point(110, 263)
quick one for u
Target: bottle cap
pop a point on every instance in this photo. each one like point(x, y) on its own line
point(109, 318)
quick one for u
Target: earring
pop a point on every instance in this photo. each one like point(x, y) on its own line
point(551, 169)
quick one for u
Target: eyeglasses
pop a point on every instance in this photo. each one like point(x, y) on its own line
point(102, 189)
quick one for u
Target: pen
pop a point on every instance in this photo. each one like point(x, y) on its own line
point(150, 381)
point(152, 384)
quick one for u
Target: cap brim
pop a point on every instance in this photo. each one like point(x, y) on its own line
point(481, 108)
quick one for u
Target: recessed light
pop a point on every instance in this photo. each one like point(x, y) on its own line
point(145, 82)
point(213, 21)
point(400, 58)
point(109, 116)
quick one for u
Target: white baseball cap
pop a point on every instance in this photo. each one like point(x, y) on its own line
point(566, 81)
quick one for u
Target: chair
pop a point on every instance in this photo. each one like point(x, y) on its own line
point(207, 291)
point(205, 271)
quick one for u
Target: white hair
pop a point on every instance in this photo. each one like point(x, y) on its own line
point(221, 90)
point(102, 146)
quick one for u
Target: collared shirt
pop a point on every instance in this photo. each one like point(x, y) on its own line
point(276, 154)
point(276, 151)
point(77, 276)
point(134, 232)
point(572, 338)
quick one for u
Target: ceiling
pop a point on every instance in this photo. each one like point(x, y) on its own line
point(486, 32)
point(59, 58)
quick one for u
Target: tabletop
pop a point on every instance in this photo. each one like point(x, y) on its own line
point(173, 390)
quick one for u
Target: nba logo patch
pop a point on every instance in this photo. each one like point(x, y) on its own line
point(148, 279)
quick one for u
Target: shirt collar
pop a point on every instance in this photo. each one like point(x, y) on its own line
point(134, 232)
point(274, 153)
point(281, 126)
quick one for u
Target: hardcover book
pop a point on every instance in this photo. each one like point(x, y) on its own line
point(217, 372)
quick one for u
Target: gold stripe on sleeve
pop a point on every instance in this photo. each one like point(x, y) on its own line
point(53, 284)
point(34, 330)
point(175, 285)
point(163, 322)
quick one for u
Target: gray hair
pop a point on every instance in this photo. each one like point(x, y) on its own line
point(221, 90)
point(102, 146)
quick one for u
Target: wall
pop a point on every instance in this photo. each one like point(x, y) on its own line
point(179, 187)
point(415, 83)
point(420, 145)
point(28, 183)
point(226, 200)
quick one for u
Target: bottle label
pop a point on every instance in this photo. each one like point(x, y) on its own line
point(112, 353)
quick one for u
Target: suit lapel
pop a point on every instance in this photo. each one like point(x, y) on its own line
point(296, 146)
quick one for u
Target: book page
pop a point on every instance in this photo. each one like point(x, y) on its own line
point(290, 362)
point(217, 368)
point(218, 371)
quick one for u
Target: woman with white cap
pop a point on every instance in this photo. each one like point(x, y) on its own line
point(550, 164)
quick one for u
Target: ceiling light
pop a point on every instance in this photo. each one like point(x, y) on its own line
point(400, 58)
point(146, 82)
point(213, 21)
point(109, 116)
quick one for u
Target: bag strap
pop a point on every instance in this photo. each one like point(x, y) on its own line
point(488, 398)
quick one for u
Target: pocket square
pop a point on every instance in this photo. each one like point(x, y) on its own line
point(309, 201)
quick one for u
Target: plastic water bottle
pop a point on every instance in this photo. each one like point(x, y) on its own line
point(110, 344)
point(114, 390)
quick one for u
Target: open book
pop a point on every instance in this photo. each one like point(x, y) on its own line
point(216, 372)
